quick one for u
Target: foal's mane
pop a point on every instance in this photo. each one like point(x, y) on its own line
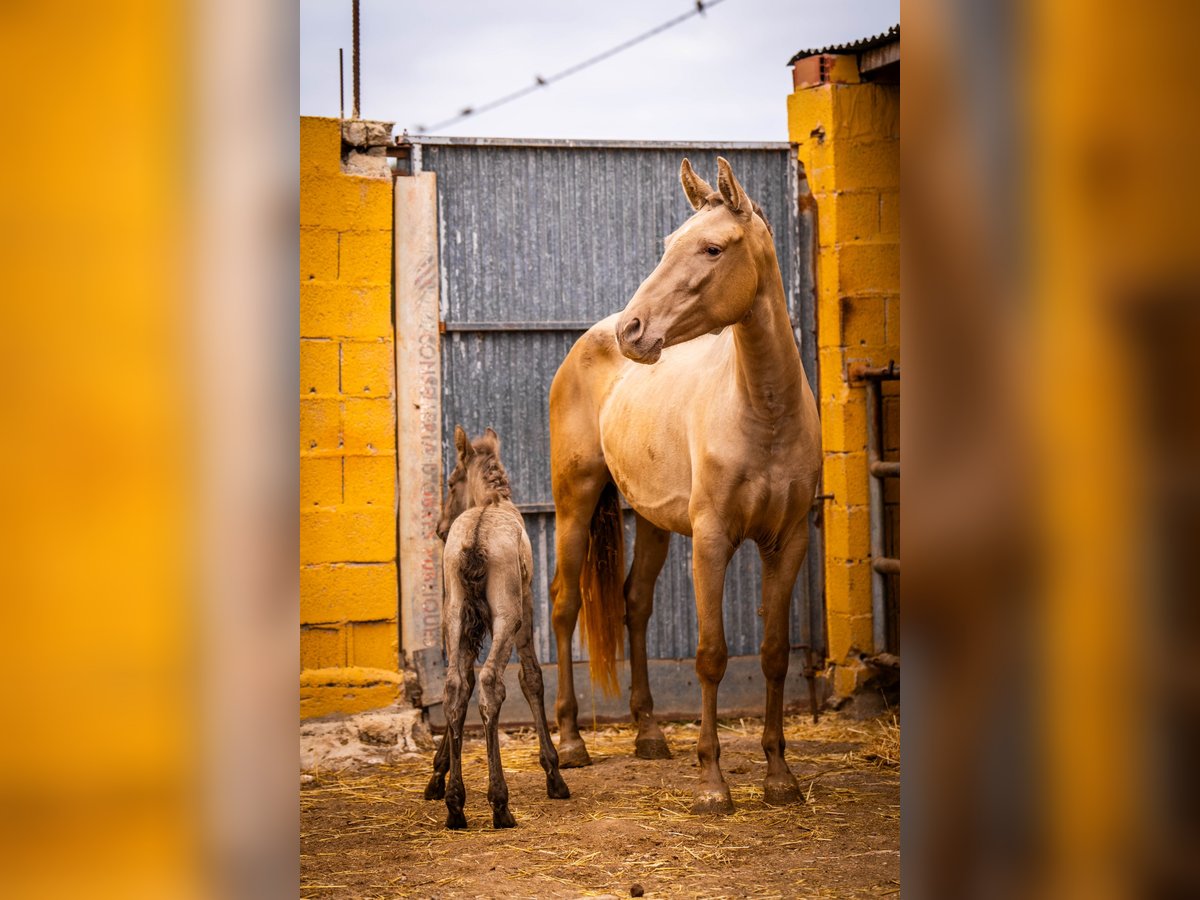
point(486, 475)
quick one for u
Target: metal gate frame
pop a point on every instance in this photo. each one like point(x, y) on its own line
point(418, 317)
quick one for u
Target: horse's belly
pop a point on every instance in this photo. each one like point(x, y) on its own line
point(648, 458)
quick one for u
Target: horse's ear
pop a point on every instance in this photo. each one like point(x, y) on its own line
point(491, 435)
point(731, 192)
point(695, 188)
point(462, 444)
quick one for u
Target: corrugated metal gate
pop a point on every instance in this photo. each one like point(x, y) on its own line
point(537, 241)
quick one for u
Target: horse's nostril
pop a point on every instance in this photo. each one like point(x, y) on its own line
point(632, 331)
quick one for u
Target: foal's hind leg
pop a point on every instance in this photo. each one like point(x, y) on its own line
point(436, 789)
point(533, 689)
point(649, 553)
point(491, 697)
point(780, 567)
point(460, 681)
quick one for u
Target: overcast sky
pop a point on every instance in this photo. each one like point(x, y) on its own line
point(721, 76)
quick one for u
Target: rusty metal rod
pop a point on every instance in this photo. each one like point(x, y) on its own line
point(885, 469)
point(875, 519)
point(341, 84)
point(354, 60)
point(885, 565)
point(860, 372)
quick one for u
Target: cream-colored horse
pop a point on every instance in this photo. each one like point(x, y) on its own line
point(693, 402)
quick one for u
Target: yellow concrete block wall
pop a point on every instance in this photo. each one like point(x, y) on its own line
point(349, 599)
point(849, 143)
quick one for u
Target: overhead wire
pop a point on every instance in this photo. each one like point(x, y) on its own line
point(701, 6)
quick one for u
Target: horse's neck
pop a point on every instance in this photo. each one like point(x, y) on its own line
point(768, 371)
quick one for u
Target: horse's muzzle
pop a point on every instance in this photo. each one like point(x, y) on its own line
point(636, 344)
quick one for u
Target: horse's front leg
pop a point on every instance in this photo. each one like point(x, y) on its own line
point(491, 697)
point(711, 552)
point(649, 553)
point(780, 567)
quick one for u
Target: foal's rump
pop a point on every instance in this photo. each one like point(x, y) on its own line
point(485, 564)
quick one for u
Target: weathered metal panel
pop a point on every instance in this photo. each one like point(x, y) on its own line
point(563, 233)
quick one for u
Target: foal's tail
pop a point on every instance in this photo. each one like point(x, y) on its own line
point(476, 614)
point(601, 583)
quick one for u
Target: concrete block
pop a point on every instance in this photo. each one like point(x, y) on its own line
point(320, 480)
point(848, 634)
point(340, 593)
point(844, 424)
point(371, 480)
point(848, 587)
point(847, 532)
point(846, 478)
point(889, 213)
point(869, 266)
point(337, 310)
point(347, 534)
point(892, 332)
point(857, 215)
point(322, 647)
point(809, 109)
point(318, 254)
point(319, 367)
point(375, 644)
point(368, 367)
point(368, 424)
point(866, 113)
point(320, 145)
point(320, 425)
point(863, 321)
point(365, 256)
point(867, 165)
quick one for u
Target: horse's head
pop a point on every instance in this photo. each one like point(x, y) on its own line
point(478, 477)
point(709, 272)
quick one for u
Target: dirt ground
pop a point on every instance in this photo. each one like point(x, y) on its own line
point(370, 833)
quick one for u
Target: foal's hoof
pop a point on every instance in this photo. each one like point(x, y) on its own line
point(456, 820)
point(712, 803)
point(780, 790)
point(573, 755)
point(556, 788)
point(436, 789)
point(502, 818)
point(651, 748)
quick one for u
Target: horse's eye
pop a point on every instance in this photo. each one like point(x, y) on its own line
point(712, 251)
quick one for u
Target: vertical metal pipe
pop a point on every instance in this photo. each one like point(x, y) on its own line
point(341, 85)
point(875, 499)
point(354, 60)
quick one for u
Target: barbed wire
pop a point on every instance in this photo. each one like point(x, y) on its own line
point(701, 6)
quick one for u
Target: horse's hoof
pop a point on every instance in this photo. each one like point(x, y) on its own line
point(436, 789)
point(573, 755)
point(556, 788)
point(780, 790)
point(456, 820)
point(502, 818)
point(651, 748)
point(712, 803)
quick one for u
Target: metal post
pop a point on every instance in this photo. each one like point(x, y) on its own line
point(354, 59)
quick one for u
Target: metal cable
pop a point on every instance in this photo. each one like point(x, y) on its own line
point(540, 82)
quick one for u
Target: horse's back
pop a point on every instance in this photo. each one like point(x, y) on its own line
point(499, 531)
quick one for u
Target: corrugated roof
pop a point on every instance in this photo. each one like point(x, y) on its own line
point(867, 43)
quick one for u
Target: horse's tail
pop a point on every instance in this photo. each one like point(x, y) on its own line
point(601, 583)
point(476, 614)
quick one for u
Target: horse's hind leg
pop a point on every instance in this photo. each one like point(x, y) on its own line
point(649, 553)
point(575, 495)
point(533, 689)
point(491, 697)
point(780, 567)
